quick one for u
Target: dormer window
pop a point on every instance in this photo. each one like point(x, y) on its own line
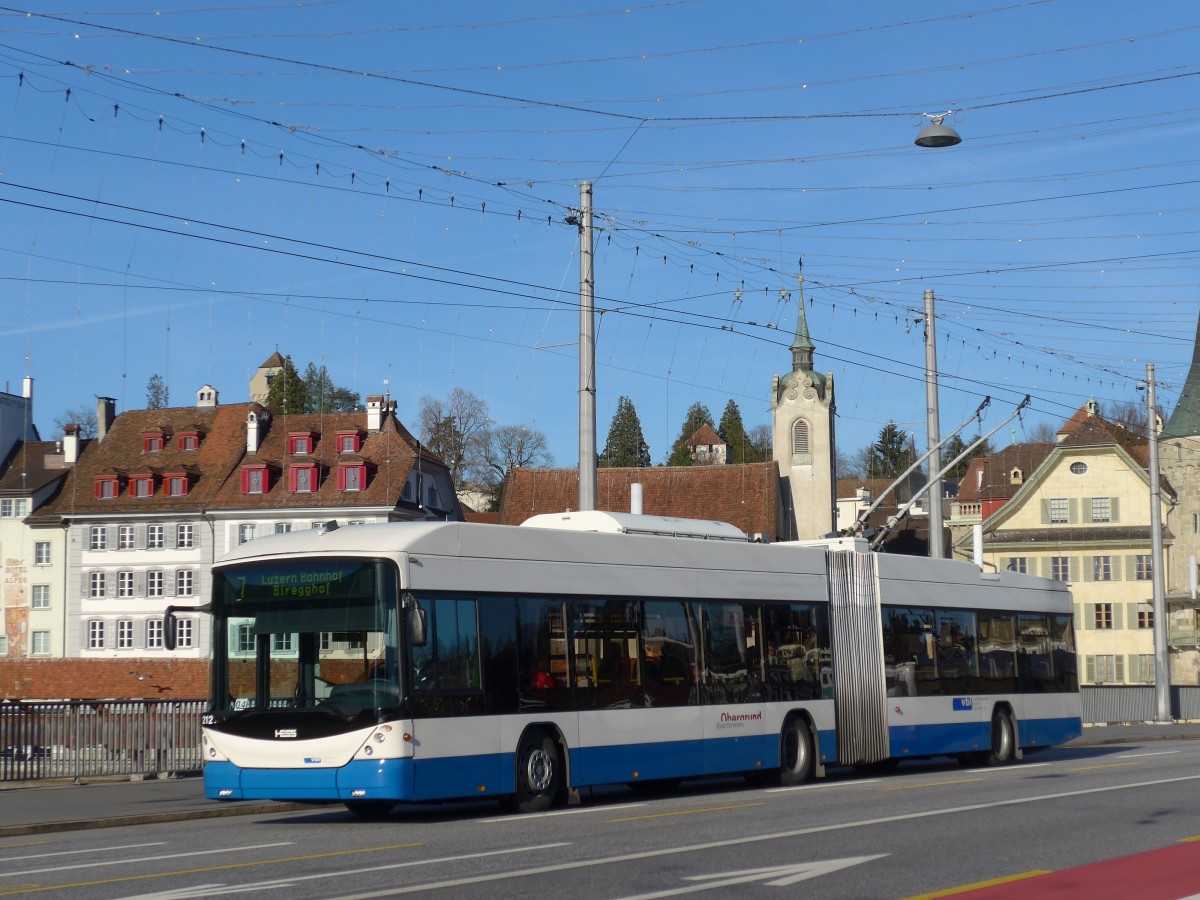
point(302, 479)
point(349, 441)
point(255, 480)
point(300, 443)
point(141, 485)
point(175, 484)
point(352, 477)
point(107, 487)
point(152, 442)
point(1016, 476)
point(189, 440)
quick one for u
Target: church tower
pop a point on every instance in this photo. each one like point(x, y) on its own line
point(802, 408)
point(1179, 463)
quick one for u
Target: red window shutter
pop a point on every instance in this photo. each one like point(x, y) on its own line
point(342, 477)
point(99, 487)
point(292, 479)
point(245, 481)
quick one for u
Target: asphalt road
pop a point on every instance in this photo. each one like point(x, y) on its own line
point(921, 830)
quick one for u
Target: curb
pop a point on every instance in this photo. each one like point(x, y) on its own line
point(216, 812)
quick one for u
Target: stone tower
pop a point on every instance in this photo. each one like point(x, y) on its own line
point(802, 418)
point(1179, 463)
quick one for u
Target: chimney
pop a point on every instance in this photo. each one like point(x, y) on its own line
point(206, 397)
point(106, 412)
point(70, 444)
point(27, 388)
point(251, 433)
point(376, 410)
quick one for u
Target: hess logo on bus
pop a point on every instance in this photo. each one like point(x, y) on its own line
point(285, 732)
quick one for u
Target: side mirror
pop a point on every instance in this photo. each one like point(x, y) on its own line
point(418, 632)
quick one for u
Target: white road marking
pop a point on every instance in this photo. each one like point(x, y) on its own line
point(124, 862)
point(736, 842)
point(823, 784)
point(1003, 770)
point(9, 859)
point(1136, 755)
point(561, 812)
point(209, 890)
point(773, 876)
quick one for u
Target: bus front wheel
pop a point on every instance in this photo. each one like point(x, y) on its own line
point(1004, 739)
point(539, 772)
point(795, 752)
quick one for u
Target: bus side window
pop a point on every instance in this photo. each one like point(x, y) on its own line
point(669, 654)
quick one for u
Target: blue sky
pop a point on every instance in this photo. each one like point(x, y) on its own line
point(382, 187)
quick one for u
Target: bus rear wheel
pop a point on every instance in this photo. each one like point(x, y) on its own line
point(1004, 739)
point(795, 752)
point(539, 772)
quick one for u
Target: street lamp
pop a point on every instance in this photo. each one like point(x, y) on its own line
point(937, 133)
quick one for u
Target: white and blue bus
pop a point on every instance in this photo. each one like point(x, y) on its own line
point(378, 664)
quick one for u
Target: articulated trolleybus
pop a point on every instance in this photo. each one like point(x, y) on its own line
point(377, 664)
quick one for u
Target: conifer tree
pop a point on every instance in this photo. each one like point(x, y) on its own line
point(681, 452)
point(626, 446)
point(737, 445)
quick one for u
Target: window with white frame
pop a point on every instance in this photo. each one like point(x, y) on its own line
point(1101, 568)
point(1060, 568)
point(1059, 508)
point(154, 583)
point(156, 537)
point(243, 640)
point(283, 527)
point(98, 538)
point(282, 643)
point(245, 533)
point(41, 553)
point(1101, 509)
point(95, 634)
point(41, 643)
point(176, 485)
point(125, 583)
point(40, 596)
point(96, 585)
point(184, 536)
point(126, 537)
point(183, 583)
point(125, 634)
point(154, 634)
point(11, 508)
point(184, 633)
point(1145, 568)
point(1018, 564)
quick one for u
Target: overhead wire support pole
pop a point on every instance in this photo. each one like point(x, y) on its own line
point(861, 521)
point(895, 520)
point(937, 548)
point(587, 353)
point(1162, 655)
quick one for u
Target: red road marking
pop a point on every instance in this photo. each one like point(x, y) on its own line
point(1167, 874)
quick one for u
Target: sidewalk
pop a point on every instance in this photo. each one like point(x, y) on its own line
point(27, 808)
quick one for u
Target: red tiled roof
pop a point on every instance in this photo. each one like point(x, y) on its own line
point(997, 469)
point(743, 495)
point(705, 436)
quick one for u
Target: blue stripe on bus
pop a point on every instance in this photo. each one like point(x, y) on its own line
point(967, 737)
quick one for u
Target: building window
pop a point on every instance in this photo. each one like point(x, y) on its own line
point(281, 643)
point(299, 444)
point(1145, 615)
point(156, 537)
point(319, 527)
point(1059, 510)
point(98, 538)
point(189, 440)
point(96, 585)
point(1078, 468)
point(351, 477)
point(183, 536)
point(431, 497)
point(304, 479)
point(13, 508)
point(283, 527)
point(152, 443)
point(41, 643)
point(245, 533)
point(95, 638)
point(143, 486)
point(1145, 668)
point(1101, 568)
point(1104, 616)
point(3, 645)
point(1060, 568)
point(1101, 509)
point(1105, 668)
point(800, 437)
point(183, 633)
point(176, 485)
point(348, 441)
point(254, 480)
point(154, 633)
point(40, 598)
point(125, 584)
point(244, 639)
point(41, 553)
point(1195, 523)
point(106, 487)
point(125, 634)
point(126, 537)
point(1145, 568)
point(1018, 564)
point(183, 583)
point(154, 583)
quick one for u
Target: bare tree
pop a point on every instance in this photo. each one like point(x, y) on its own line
point(456, 429)
point(84, 417)
point(1042, 433)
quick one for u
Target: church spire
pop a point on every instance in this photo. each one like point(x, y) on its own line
point(802, 345)
point(1185, 418)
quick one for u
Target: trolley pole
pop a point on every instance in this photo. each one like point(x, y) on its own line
point(934, 432)
point(587, 353)
point(1162, 658)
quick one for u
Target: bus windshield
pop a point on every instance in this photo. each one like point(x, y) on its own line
point(313, 633)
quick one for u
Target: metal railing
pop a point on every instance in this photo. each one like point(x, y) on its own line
point(82, 739)
point(1114, 704)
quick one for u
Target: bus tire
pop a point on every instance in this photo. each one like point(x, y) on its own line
point(1004, 739)
point(795, 752)
point(370, 809)
point(539, 772)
